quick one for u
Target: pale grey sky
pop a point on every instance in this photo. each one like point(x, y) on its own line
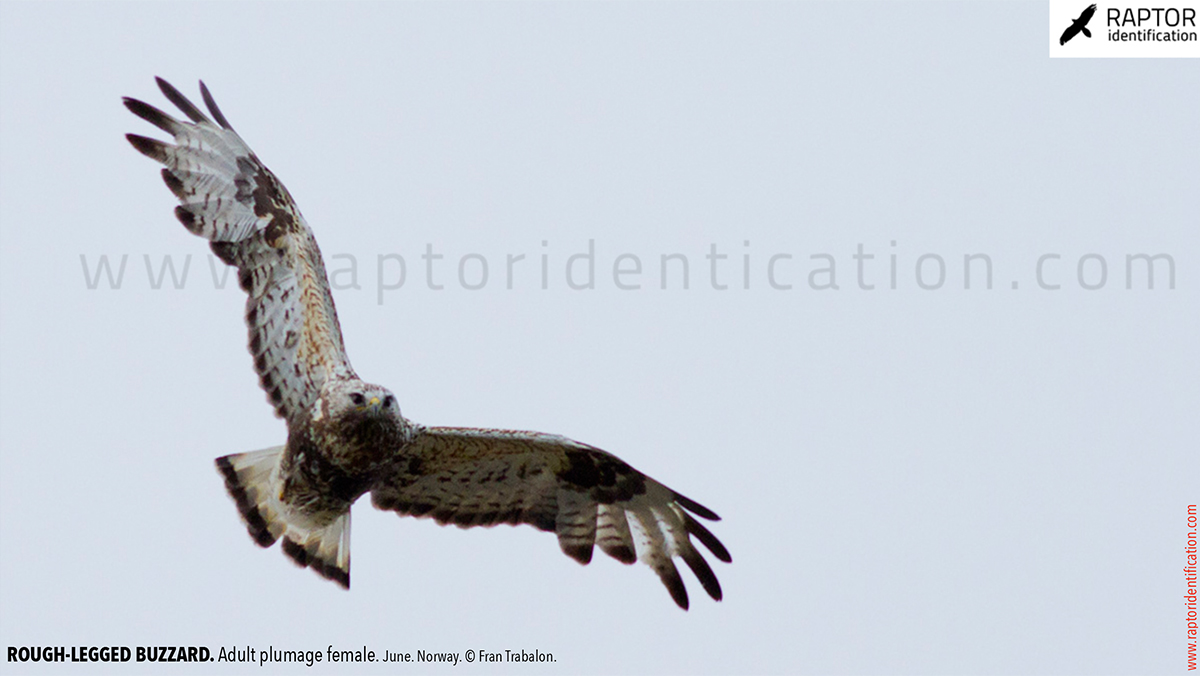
point(912, 480)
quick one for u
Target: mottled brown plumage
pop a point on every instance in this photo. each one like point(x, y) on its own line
point(347, 437)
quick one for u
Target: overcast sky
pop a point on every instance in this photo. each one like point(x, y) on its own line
point(918, 470)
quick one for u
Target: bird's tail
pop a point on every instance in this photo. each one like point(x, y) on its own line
point(253, 482)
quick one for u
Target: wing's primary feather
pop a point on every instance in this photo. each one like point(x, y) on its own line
point(476, 477)
point(231, 199)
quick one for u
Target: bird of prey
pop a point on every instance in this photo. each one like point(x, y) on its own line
point(1078, 26)
point(347, 437)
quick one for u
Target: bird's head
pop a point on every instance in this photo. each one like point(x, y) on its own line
point(350, 399)
point(358, 425)
point(348, 404)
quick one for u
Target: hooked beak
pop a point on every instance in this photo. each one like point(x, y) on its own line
point(372, 404)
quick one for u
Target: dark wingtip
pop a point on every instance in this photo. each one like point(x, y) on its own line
point(152, 115)
point(696, 508)
point(152, 148)
point(622, 553)
point(674, 583)
point(174, 183)
point(703, 572)
point(255, 523)
point(581, 553)
point(181, 102)
point(188, 219)
point(226, 251)
point(212, 107)
point(702, 534)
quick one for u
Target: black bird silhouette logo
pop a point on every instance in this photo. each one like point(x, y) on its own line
point(1078, 26)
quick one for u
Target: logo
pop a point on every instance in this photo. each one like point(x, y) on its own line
point(1123, 29)
point(1078, 26)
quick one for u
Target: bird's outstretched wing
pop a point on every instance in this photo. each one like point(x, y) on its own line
point(228, 197)
point(480, 477)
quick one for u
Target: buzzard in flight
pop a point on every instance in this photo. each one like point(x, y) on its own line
point(347, 437)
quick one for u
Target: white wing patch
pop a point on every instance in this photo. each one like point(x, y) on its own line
point(228, 197)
